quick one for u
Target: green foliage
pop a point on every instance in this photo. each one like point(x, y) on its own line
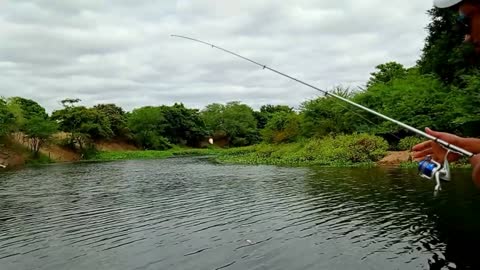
point(116, 118)
point(328, 115)
point(282, 127)
point(7, 118)
point(39, 130)
point(183, 126)
point(266, 113)
point(408, 142)
point(28, 107)
point(445, 54)
point(417, 100)
point(342, 150)
point(463, 104)
point(38, 159)
point(386, 73)
point(31, 119)
point(160, 127)
point(234, 121)
point(130, 155)
point(148, 124)
point(23, 111)
point(84, 124)
point(151, 154)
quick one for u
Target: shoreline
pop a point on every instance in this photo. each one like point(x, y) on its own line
point(392, 159)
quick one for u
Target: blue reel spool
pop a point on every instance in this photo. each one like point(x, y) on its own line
point(427, 168)
point(432, 170)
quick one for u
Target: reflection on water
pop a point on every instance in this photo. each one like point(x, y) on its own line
point(187, 213)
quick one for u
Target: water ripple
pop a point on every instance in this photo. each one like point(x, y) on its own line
point(187, 213)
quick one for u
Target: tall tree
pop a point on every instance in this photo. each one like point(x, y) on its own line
point(326, 115)
point(183, 125)
point(282, 127)
point(148, 124)
point(418, 100)
point(83, 124)
point(266, 112)
point(29, 107)
point(445, 54)
point(39, 130)
point(116, 117)
point(234, 121)
point(386, 73)
point(7, 118)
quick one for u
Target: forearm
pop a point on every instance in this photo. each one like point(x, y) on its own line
point(475, 161)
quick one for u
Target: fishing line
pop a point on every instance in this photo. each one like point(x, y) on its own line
point(417, 131)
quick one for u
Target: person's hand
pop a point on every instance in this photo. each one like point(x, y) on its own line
point(475, 161)
point(421, 150)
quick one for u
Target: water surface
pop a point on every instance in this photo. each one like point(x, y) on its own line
point(188, 213)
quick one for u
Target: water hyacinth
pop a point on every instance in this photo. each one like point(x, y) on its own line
point(342, 150)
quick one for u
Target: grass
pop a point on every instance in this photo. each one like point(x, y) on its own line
point(340, 151)
point(18, 149)
point(150, 154)
point(41, 159)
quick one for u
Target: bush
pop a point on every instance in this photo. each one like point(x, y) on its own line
point(342, 150)
point(408, 142)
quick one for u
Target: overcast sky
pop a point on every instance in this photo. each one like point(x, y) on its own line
point(120, 51)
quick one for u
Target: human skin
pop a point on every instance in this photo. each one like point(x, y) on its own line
point(471, 9)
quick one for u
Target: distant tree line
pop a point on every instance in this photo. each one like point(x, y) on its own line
point(441, 92)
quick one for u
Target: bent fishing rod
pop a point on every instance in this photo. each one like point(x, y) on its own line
point(448, 146)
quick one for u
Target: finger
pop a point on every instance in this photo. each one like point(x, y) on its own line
point(440, 135)
point(453, 157)
point(422, 154)
point(422, 146)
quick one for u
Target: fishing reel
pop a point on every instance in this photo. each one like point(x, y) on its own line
point(430, 169)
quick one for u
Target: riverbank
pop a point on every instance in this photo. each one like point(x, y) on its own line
point(152, 154)
point(340, 151)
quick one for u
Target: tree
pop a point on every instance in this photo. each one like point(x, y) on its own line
point(84, 124)
point(28, 107)
point(116, 118)
point(282, 127)
point(7, 118)
point(445, 54)
point(326, 115)
point(386, 73)
point(233, 121)
point(463, 105)
point(148, 124)
point(183, 125)
point(23, 110)
point(266, 112)
point(418, 100)
point(39, 130)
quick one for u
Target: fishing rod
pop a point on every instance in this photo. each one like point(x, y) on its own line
point(429, 168)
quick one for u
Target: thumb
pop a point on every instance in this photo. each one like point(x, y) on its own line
point(431, 132)
point(437, 134)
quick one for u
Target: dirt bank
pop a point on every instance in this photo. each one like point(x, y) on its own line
point(395, 158)
point(14, 151)
point(11, 157)
point(114, 145)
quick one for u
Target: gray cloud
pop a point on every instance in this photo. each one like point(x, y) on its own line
point(121, 51)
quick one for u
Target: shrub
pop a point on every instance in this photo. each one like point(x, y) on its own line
point(408, 142)
point(339, 150)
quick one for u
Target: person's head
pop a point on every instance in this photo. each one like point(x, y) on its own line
point(469, 15)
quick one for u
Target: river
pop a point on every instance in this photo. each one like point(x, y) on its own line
point(190, 213)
